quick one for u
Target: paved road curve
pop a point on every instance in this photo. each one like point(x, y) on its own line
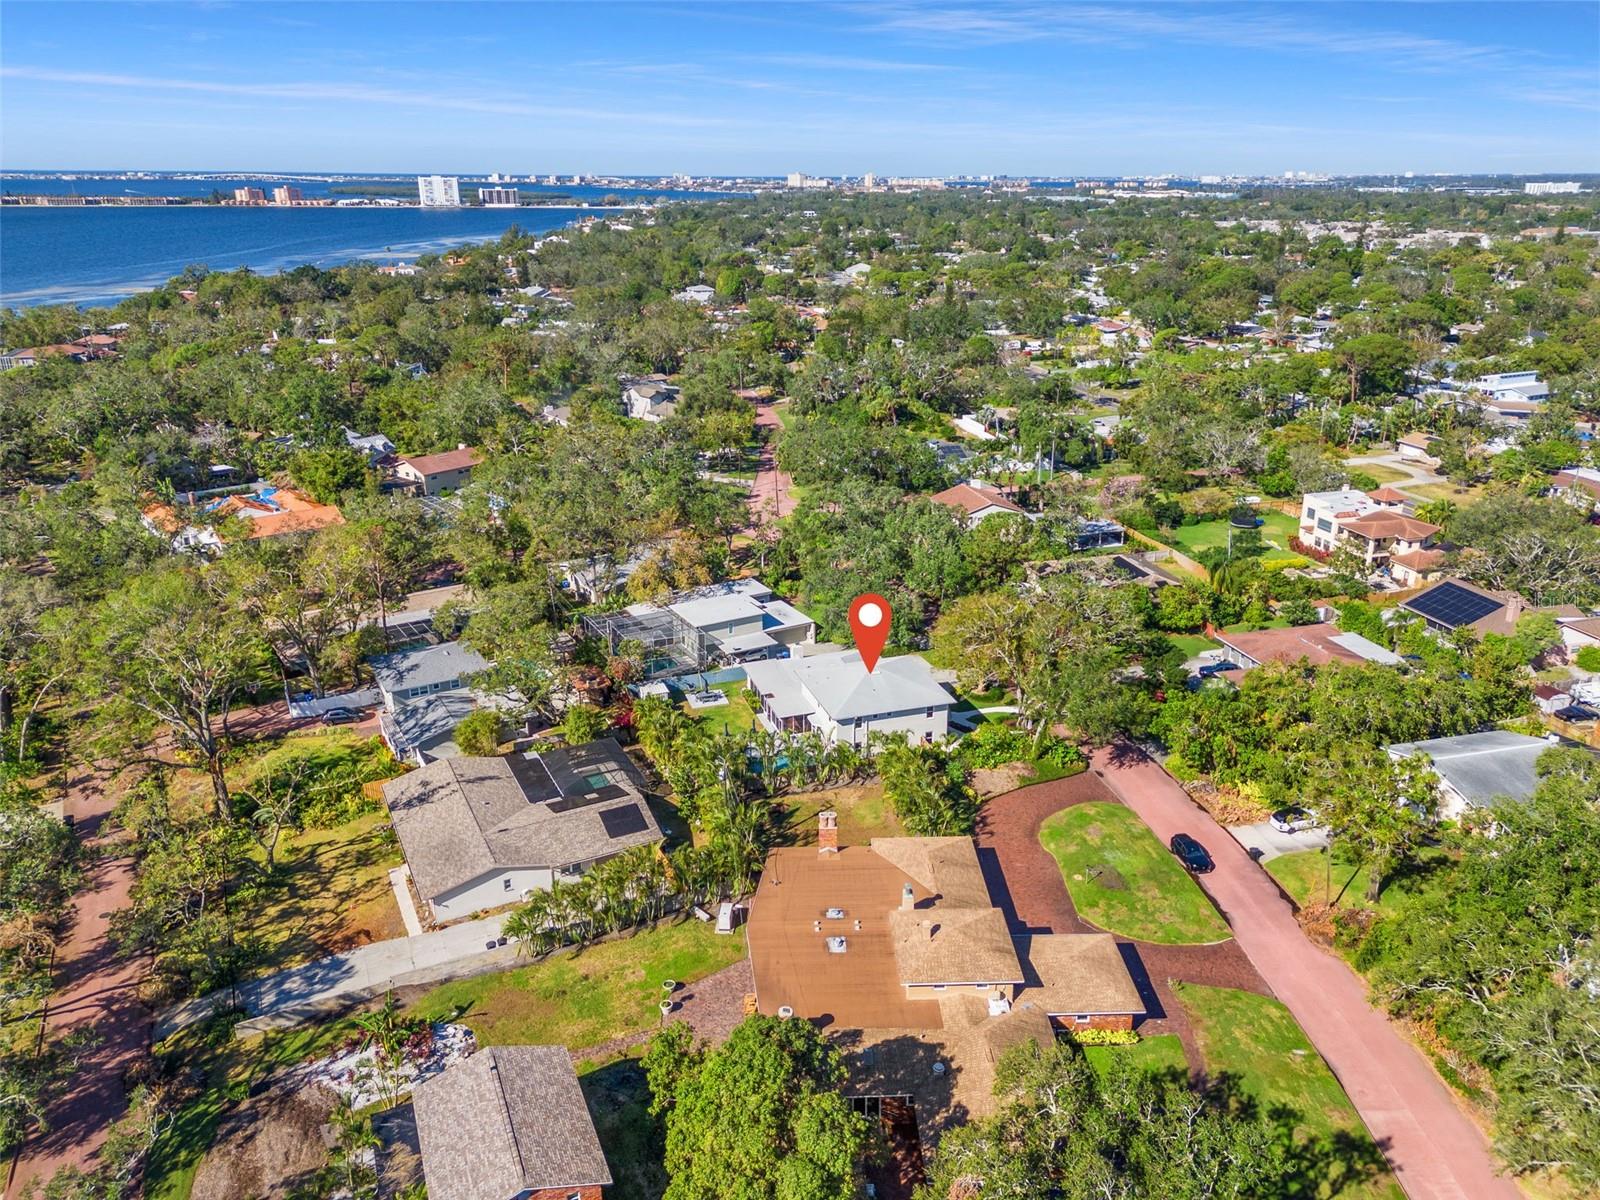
point(1437, 1153)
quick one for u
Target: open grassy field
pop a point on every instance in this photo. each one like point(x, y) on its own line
point(1192, 644)
point(1125, 881)
point(1276, 530)
point(1380, 472)
point(1310, 878)
point(1445, 491)
point(585, 998)
point(733, 717)
point(1255, 1039)
point(1163, 1052)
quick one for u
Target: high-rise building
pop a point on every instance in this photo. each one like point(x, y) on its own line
point(249, 195)
point(439, 191)
point(287, 195)
point(499, 197)
point(1552, 188)
point(869, 181)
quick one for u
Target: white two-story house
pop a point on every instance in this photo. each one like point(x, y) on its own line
point(835, 695)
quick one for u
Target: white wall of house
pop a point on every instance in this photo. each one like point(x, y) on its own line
point(435, 482)
point(917, 725)
point(491, 891)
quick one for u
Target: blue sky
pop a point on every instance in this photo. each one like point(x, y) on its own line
point(766, 88)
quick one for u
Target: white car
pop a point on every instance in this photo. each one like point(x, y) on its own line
point(1293, 820)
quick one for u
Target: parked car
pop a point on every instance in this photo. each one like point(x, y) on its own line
point(1191, 854)
point(340, 716)
point(1292, 820)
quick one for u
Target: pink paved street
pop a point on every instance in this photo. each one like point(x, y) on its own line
point(1437, 1152)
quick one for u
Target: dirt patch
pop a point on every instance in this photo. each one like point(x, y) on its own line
point(996, 781)
point(268, 1146)
point(1226, 805)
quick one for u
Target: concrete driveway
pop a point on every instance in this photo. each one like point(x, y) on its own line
point(1436, 1151)
point(1265, 843)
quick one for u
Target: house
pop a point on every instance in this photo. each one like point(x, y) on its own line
point(1479, 770)
point(902, 933)
point(1578, 632)
point(1513, 385)
point(836, 696)
point(422, 730)
point(1417, 447)
point(375, 446)
point(1550, 699)
point(1453, 604)
point(1375, 527)
point(740, 620)
point(424, 670)
point(508, 1123)
point(265, 512)
point(481, 832)
point(1579, 486)
point(432, 474)
point(649, 398)
point(1317, 645)
point(696, 293)
point(977, 501)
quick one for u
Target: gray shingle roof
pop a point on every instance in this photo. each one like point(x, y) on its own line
point(459, 819)
point(426, 666)
point(846, 689)
point(509, 1119)
point(1482, 767)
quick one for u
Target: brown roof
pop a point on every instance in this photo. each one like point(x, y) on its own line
point(971, 498)
point(945, 945)
point(946, 866)
point(1389, 495)
point(1567, 479)
point(1419, 560)
point(1314, 643)
point(1420, 441)
point(434, 464)
point(1589, 626)
point(1072, 973)
point(1385, 524)
point(505, 1121)
point(290, 512)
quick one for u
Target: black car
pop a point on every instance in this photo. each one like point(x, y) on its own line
point(1191, 854)
point(340, 716)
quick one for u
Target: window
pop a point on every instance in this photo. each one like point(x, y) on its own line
point(1081, 1019)
point(507, 882)
point(1324, 524)
point(929, 713)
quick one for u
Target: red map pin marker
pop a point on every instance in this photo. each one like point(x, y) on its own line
point(869, 622)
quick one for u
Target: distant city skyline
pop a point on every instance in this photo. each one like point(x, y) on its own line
point(729, 89)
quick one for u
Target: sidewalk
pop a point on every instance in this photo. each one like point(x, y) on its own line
point(303, 993)
point(1436, 1152)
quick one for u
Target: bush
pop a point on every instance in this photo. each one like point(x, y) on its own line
point(583, 723)
point(1588, 658)
point(1059, 752)
point(1104, 1037)
point(478, 734)
point(992, 745)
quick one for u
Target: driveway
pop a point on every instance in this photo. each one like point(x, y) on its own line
point(1436, 1152)
point(95, 989)
point(1418, 472)
point(770, 500)
point(1025, 883)
point(1264, 843)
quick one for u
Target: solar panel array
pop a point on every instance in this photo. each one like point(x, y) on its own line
point(1452, 605)
point(623, 820)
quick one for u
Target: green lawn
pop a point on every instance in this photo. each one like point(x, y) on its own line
point(733, 717)
point(619, 1101)
point(1256, 1040)
point(1192, 644)
point(1310, 878)
point(1125, 881)
point(583, 999)
point(1379, 472)
point(864, 813)
point(1276, 530)
point(1160, 1053)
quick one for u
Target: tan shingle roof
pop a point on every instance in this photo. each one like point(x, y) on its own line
point(944, 945)
point(970, 499)
point(507, 1120)
point(947, 867)
point(1071, 973)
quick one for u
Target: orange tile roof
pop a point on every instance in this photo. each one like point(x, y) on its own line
point(1388, 495)
point(1389, 524)
point(294, 513)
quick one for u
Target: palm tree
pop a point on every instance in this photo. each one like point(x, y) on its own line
point(1436, 512)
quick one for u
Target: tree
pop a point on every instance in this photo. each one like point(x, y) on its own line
point(929, 789)
point(768, 1100)
point(478, 733)
point(163, 651)
point(1381, 809)
point(327, 473)
point(583, 723)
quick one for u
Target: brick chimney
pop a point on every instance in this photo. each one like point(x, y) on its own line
point(1513, 610)
point(827, 832)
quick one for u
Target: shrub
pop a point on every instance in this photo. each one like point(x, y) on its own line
point(583, 723)
point(1059, 752)
point(478, 733)
point(1105, 1037)
point(1588, 658)
point(992, 744)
